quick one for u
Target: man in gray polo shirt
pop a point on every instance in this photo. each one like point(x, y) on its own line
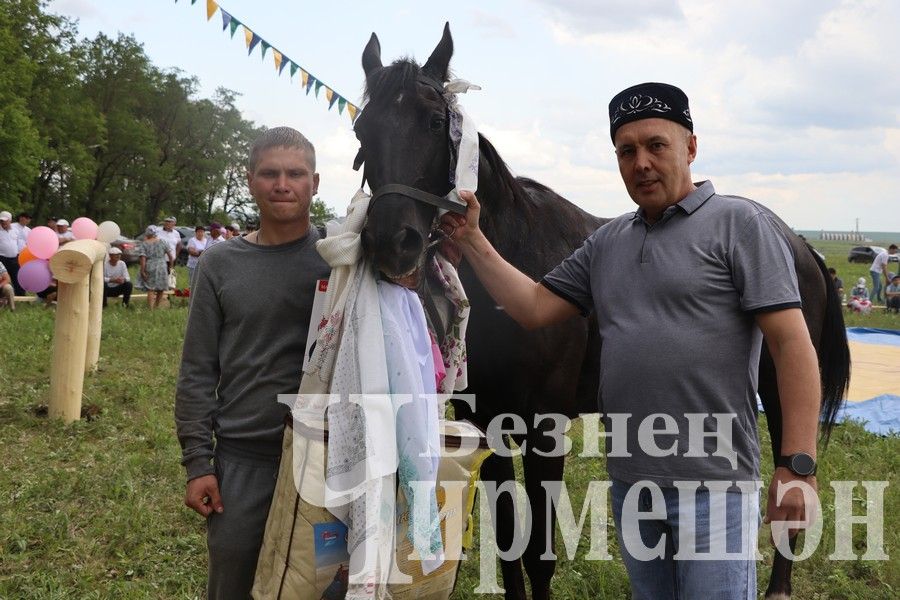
point(683, 289)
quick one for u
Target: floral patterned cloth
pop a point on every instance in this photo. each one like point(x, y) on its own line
point(157, 255)
point(453, 350)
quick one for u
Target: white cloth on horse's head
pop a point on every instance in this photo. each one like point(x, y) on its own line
point(464, 135)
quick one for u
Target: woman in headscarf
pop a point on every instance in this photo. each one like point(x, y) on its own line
point(155, 266)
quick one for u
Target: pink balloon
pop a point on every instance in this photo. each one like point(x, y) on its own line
point(35, 275)
point(84, 229)
point(43, 242)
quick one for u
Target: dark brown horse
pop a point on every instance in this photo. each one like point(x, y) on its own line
point(404, 138)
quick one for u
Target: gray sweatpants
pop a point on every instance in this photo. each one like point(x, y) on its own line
point(234, 538)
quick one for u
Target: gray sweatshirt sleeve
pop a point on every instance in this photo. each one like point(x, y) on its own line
point(195, 396)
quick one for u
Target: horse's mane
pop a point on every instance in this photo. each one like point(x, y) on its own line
point(501, 173)
point(386, 83)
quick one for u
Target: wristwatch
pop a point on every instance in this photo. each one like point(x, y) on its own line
point(801, 464)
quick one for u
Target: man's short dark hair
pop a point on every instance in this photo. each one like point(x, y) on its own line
point(199, 228)
point(832, 271)
point(23, 214)
point(892, 247)
point(281, 137)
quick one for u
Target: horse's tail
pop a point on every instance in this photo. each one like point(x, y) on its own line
point(834, 355)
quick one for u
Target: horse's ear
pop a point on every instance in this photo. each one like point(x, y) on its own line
point(371, 57)
point(439, 62)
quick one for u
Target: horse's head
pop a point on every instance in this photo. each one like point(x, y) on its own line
point(404, 142)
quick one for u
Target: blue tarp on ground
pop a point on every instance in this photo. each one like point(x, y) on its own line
point(874, 395)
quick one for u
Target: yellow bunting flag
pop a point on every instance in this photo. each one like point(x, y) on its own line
point(248, 35)
point(351, 110)
point(211, 8)
point(277, 56)
point(304, 77)
point(328, 94)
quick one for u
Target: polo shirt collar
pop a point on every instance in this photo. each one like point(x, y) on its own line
point(703, 191)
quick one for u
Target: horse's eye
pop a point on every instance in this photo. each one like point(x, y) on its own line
point(437, 124)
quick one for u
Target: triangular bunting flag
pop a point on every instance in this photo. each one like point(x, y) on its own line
point(277, 56)
point(254, 40)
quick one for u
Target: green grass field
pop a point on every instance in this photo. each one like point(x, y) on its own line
point(94, 510)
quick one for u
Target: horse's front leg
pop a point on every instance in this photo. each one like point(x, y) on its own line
point(499, 469)
point(538, 469)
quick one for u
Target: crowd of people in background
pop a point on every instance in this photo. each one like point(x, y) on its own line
point(161, 247)
point(158, 251)
point(860, 300)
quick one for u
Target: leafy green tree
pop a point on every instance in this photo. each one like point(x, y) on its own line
point(320, 213)
point(23, 30)
point(94, 128)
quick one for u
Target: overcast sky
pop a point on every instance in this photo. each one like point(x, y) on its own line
point(796, 104)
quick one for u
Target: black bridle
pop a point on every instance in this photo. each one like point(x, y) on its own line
point(449, 202)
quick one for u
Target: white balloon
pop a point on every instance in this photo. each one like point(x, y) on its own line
point(108, 231)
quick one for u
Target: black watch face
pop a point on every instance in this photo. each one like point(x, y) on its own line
point(803, 464)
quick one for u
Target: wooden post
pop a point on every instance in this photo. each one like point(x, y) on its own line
point(72, 266)
point(69, 348)
point(95, 318)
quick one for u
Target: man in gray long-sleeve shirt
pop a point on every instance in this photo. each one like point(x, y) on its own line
point(244, 344)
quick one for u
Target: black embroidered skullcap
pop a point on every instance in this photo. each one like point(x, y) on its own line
point(649, 101)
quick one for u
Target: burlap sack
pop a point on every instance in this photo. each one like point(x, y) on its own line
point(301, 557)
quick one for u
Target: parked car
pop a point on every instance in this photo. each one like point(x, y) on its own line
point(186, 234)
point(129, 248)
point(866, 254)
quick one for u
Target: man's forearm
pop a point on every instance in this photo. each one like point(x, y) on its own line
point(797, 371)
point(800, 390)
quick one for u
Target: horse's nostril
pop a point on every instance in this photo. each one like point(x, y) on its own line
point(408, 241)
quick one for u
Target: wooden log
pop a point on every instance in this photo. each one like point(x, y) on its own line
point(69, 350)
point(95, 318)
point(73, 262)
